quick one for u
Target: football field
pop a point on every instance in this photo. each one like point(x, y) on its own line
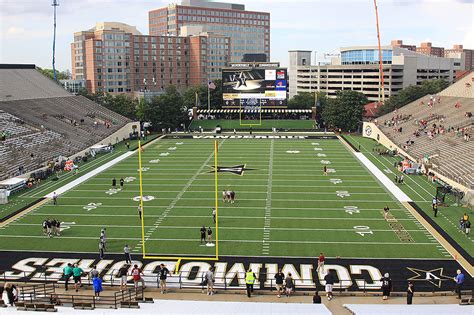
point(285, 206)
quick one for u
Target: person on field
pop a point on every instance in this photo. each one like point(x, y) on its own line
point(114, 183)
point(209, 235)
point(386, 286)
point(386, 210)
point(279, 278)
point(435, 210)
point(101, 250)
point(203, 235)
point(224, 196)
point(122, 181)
point(140, 210)
point(231, 196)
point(45, 227)
point(55, 198)
point(214, 213)
point(325, 170)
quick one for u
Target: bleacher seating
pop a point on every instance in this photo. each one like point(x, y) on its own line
point(43, 121)
point(449, 152)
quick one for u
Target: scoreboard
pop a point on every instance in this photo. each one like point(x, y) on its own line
point(254, 87)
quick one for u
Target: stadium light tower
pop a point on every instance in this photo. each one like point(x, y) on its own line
point(55, 4)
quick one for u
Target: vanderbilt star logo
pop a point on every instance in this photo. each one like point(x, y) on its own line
point(433, 276)
point(238, 169)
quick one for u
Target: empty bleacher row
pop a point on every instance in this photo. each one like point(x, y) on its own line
point(21, 84)
point(450, 147)
point(38, 130)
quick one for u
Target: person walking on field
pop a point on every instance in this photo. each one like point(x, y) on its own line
point(214, 212)
point(55, 198)
point(122, 181)
point(114, 183)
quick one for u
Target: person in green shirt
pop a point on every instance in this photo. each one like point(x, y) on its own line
point(67, 273)
point(77, 273)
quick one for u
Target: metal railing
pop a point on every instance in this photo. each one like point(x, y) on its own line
point(196, 280)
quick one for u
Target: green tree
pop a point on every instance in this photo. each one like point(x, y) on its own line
point(345, 111)
point(164, 111)
point(304, 100)
point(60, 75)
point(189, 96)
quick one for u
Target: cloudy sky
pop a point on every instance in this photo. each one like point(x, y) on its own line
point(323, 26)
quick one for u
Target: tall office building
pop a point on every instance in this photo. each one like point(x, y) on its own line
point(116, 58)
point(249, 31)
point(357, 69)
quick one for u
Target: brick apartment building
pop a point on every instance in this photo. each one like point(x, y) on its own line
point(116, 58)
point(249, 31)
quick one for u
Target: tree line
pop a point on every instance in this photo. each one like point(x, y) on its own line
point(170, 109)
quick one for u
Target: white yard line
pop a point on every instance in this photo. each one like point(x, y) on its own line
point(268, 204)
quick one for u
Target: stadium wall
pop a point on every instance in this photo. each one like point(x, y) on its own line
point(370, 130)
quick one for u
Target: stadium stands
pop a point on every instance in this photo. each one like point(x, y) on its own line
point(24, 82)
point(40, 121)
point(440, 133)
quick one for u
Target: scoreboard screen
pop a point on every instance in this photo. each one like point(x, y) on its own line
point(254, 87)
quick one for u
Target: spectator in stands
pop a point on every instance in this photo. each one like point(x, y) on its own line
point(77, 274)
point(210, 278)
point(94, 273)
point(459, 279)
point(316, 298)
point(163, 274)
point(123, 276)
point(289, 285)
point(97, 284)
point(329, 278)
point(136, 274)
point(386, 286)
point(410, 292)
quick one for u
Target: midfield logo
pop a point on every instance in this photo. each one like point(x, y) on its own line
point(238, 169)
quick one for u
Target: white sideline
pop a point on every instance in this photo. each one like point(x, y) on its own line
point(87, 176)
point(397, 192)
point(420, 309)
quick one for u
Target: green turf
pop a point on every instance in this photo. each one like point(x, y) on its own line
point(421, 190)
point(265, 124)
point(284, 193)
